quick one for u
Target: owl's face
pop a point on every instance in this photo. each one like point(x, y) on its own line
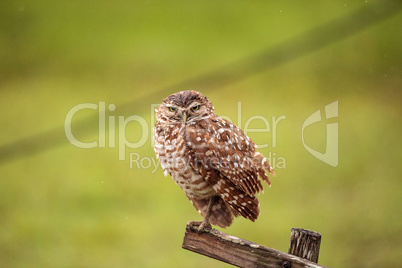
point(185, 107)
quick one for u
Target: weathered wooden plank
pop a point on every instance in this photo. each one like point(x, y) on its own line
point(239, 252)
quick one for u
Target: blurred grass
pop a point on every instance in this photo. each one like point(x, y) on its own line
point(83, 207)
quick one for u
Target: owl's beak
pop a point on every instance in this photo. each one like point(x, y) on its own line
point(184, 117)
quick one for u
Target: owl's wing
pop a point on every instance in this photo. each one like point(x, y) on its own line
point(221, 146)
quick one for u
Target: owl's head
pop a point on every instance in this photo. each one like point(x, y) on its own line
point(185, 107)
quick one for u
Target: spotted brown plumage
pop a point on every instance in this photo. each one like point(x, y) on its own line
point(211, 159)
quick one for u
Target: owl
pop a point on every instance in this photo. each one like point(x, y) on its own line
point(211, 159)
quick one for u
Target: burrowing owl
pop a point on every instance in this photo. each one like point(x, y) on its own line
point(212, 160)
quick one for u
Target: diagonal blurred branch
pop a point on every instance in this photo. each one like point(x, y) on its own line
point(292, 49)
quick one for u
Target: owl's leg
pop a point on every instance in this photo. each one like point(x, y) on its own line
point(204, 224)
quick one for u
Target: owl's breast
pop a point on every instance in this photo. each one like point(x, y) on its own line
point(192, 183)
point(174, 152)
point(182, 172)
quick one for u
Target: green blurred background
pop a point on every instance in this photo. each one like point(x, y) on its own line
point(64, 206)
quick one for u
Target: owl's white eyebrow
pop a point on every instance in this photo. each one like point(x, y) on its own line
point(194, 104)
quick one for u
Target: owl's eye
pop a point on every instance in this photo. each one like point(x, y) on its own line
point(195, 108)
point(172, 109)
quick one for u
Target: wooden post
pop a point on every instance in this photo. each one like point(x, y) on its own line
point(305, 244)
point(239, 252)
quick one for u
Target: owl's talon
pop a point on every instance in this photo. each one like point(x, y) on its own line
point(200, 226)
point(194, 224)
point(204, 227)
